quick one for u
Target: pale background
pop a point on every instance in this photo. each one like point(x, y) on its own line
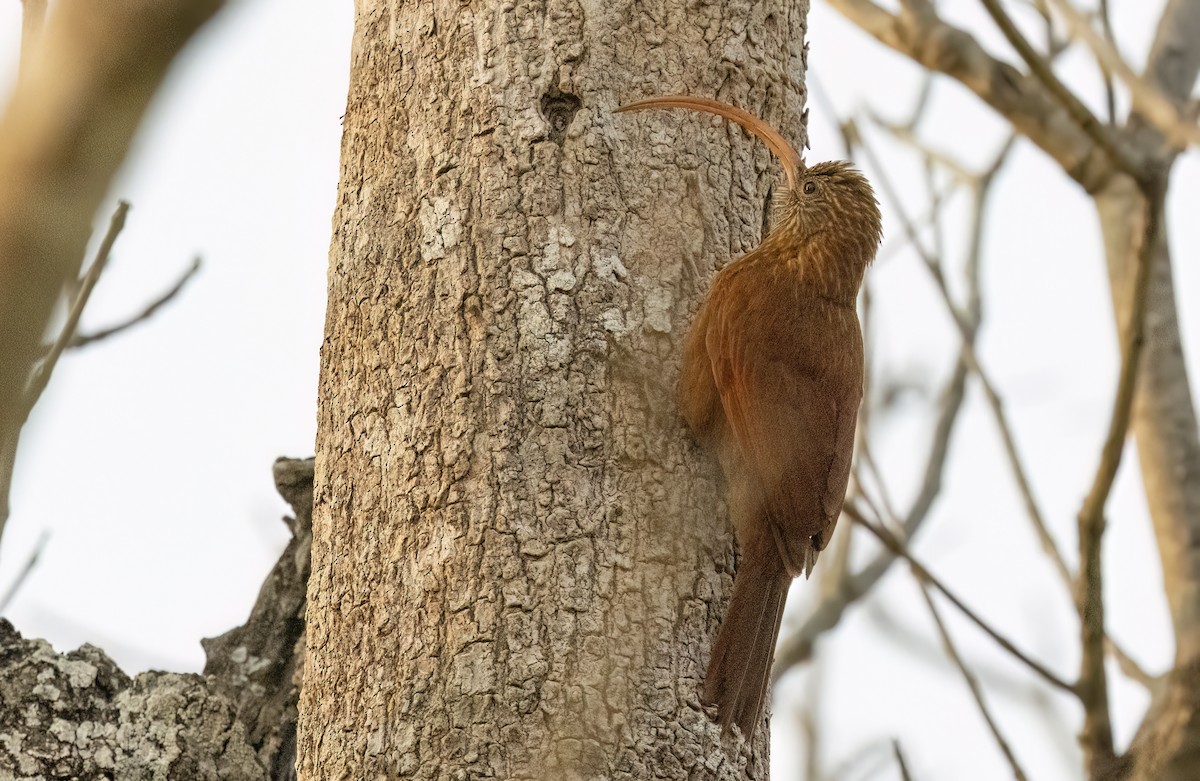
point(148, 460)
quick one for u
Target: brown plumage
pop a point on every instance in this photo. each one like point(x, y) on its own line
point(772, 379)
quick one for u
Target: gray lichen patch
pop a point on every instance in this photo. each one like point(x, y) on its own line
point(77, 716)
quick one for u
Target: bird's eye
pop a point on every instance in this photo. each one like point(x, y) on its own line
point(810, 188)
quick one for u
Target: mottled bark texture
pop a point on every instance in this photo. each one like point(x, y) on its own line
point(259, 664)
point(520, 559)
point(77, 716)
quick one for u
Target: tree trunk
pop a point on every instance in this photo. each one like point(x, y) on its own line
point(519, 558)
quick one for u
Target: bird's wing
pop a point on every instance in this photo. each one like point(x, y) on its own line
point(789, 374)
point(698, 398)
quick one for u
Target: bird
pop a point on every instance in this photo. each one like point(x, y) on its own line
point(771, 381)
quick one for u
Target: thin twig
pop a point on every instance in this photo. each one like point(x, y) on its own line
point(924, 94)
point(865, 495)
point(83, 340)
point(1097, 736)
point(904, 133)
point(1150, 102)
point(1054, 46)
point(26, 569)
point(845, 129)
point(831, 579)
point(939, 233)
point(1129, 667)
point(863, 762)
point(885, 499)
point(899, 549)
point(972, 683)
point(904, 774)
point(41, 373)
point(1009, 682)
point(39, 377)
point(866, 323)
point(981, 190)
point(808, 729)
point(1041, 68)
point(893, 245)
point(981, 186)
point(864, 461)
point(1110, 94)
point(809, 717)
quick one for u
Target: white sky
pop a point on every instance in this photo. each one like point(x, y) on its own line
point(149, 458)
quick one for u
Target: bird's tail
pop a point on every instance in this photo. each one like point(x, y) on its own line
point(740, 668)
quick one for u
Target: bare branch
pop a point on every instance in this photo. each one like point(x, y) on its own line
point(1129, 667)
point(981, 185)
point(70, 119)
point(36, 383)
point(904, 774)
point(1054, 45)
point(886, 504)
point(67, 126)
point(865, 462)
point(808, 708)
point(1022, 99)
point(24, 572)
point(1174, 56)
point(830, 580)
point(898, 548)
point(1110, 95)
point(1093, 684)
point(1147, 100)
point(41, 374)
point(1040, 66)
point(972, 684)
point(905, 133)
point(863, 761)
point(83, 340)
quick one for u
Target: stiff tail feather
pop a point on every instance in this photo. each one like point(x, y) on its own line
point(740, 668)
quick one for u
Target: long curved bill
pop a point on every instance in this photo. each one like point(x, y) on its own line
point(779, 146)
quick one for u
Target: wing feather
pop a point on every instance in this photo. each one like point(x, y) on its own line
point(788, 371)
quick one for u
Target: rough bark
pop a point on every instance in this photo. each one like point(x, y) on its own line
point(258, 665)
point(519, 558)
point(77, 716)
